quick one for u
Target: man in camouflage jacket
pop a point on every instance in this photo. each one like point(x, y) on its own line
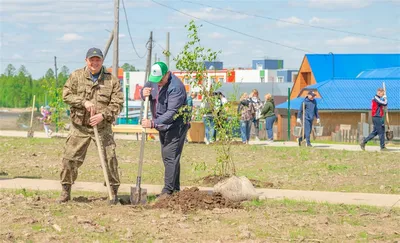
point(95, 98)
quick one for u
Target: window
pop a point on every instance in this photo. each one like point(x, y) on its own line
point(281, 79)
point(262, 79)
point(221, 80)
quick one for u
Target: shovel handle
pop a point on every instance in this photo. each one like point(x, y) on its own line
point(102, 160)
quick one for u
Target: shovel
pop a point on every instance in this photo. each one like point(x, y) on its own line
point(30, 132)
point(389, 133)
point(302, 130)
point(138, 194)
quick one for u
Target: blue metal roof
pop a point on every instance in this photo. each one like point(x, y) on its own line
point(351, 94)
point(332, 66)
point(393, 72)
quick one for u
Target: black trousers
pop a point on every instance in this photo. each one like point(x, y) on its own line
point(379, 129)
point(172, 142)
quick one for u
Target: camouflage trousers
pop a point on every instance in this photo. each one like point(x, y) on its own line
point(76, 147)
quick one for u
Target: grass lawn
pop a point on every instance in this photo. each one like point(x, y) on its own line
point(285, 167)
point(31, 216)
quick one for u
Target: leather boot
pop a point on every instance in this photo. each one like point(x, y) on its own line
point(65, 194)
point(114, 192)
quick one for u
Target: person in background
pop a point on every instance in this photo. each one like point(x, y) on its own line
point(190, 105)
point(46, 119)
point(310, 112)
point(379, 102)
point(268, 113)
point(246, 111)
point(219, 104)
point(257, 104)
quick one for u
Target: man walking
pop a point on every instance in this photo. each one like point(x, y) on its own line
point(95, 98)
point(167, 96)
point(378, 103)
point(310, 112)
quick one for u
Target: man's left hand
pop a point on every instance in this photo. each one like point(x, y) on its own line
point(96, 119)
point(318, 120)
point(146, 123)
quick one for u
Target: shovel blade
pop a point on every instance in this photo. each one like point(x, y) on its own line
point(138, 196)
point(389, 135)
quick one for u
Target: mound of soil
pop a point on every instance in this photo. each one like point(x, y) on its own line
point(192, 199)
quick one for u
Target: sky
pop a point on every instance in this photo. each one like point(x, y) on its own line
point(34, 31)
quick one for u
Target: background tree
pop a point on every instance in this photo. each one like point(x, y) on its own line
point(128, 68)
point(10, 70)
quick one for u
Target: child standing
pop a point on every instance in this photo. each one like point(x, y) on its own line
point(46, 119)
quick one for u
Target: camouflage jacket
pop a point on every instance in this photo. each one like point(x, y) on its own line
point(105, 93)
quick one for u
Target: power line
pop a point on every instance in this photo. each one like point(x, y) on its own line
point(129, 31)
point(230, 29)
point(164, 49)
point(294, 23)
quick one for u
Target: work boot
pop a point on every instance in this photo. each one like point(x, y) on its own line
point(362, 145)
point(114, 192)
point(384, 149)
point(65, 193)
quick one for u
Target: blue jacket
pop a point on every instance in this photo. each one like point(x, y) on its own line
point(166, 102)
point(311, 110)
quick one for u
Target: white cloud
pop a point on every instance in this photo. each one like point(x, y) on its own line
point(289, 22)
point(348, 41)
point(211, 14)
point(216, 35)
point(44, 51)
point(70, 37)
point(327, 22)
point(387, 31)
point(235, 42)
point(17, 56)
point(338, 4)
point(14, 39)
point(79, 28)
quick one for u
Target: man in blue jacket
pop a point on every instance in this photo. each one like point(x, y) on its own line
point(167, 96)
point(310, 112)
point(378, 104)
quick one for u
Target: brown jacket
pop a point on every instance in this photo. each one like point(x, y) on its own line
point(105, 93)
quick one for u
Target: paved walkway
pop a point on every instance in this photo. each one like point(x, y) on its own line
point(382, 200)
point(348, 147)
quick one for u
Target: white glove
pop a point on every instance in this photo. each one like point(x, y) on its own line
point(298, 121)
point(318, 120)
point(384, 97)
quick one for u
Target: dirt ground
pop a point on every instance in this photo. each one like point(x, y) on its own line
point(279, 167)
point(29, 216)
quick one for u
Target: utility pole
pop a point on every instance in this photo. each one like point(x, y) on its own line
point(167, 54)
point(116, 33)
point(148, 67)
point(105, 51)
point(56, 90)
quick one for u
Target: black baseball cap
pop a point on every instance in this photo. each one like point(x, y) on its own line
point(94, 52)
point(312, 93)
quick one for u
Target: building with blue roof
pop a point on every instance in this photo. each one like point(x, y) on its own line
point(345, 85)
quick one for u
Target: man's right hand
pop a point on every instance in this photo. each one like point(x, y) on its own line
point(298, 121)
point(146, 92)
point(90, 107)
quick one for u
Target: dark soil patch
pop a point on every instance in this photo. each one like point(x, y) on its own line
point(212, 180)
point(192, 199)
point(261, 184)
point(82, 199)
